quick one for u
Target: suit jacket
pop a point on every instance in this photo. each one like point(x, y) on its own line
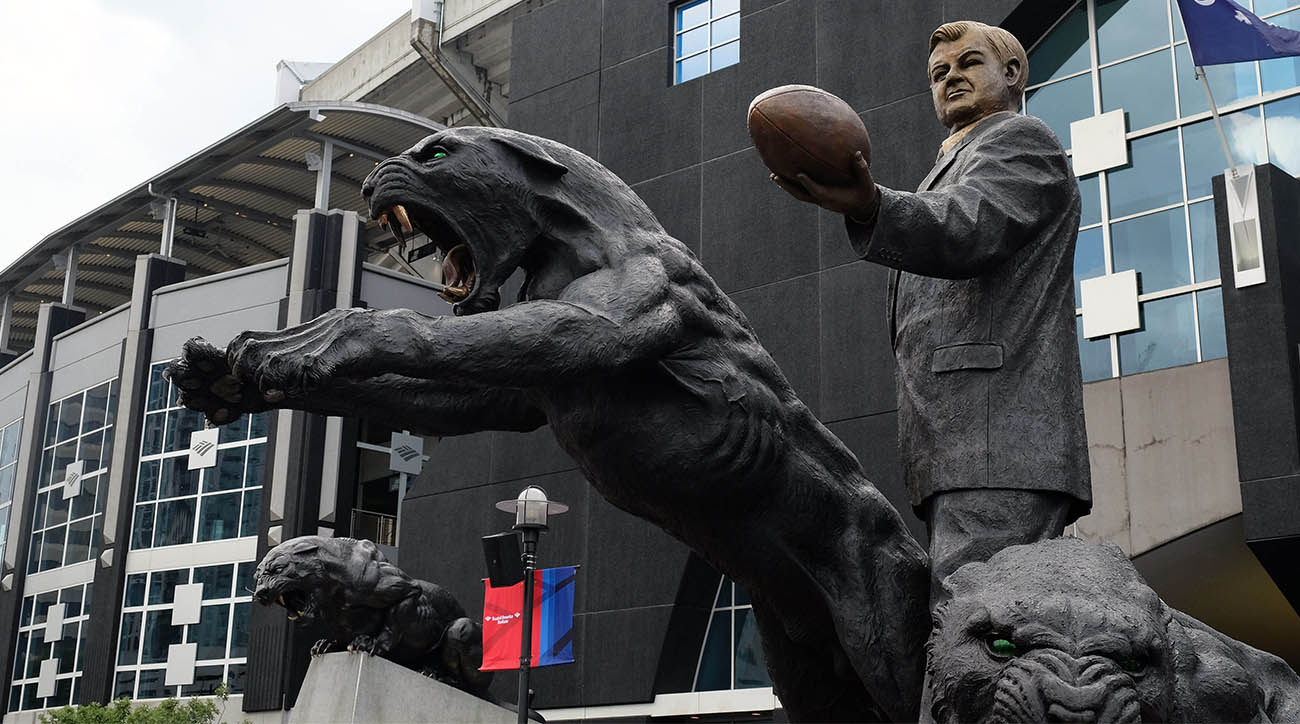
point(981, 314)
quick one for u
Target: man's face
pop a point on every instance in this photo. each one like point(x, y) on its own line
point(967, 82)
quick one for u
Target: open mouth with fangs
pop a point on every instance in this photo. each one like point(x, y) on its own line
point(296, 603)
point(458, 270)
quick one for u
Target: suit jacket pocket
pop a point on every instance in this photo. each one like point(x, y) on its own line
point(966, 356)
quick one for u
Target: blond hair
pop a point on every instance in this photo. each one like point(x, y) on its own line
point(1005, 45)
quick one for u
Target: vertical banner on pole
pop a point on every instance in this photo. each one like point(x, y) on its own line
point(552, 639)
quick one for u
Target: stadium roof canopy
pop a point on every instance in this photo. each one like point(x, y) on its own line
point(235, 202)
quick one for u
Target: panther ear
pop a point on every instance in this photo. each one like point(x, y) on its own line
point(534, 156)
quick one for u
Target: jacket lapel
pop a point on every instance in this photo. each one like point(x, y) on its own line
point(946, 160)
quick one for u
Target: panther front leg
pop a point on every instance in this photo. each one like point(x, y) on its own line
point(323, 646)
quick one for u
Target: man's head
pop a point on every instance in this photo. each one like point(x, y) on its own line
point(974, 70)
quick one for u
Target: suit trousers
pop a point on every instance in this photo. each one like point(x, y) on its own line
point(968, 526)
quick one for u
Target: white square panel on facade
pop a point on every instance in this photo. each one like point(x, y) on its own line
point(1098, 143)
point(54, 622)
point(1110, 304)
point(180, 664)
point(189, 601)
point(406, 453)
point(45, 683)
point(203, 448)
point(72, 479)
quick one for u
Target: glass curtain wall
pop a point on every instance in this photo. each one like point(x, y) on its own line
point(1156, 214)
point(732, 657)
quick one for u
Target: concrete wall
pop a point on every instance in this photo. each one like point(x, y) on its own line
point(459, 16)
point(1163, 454)
point(368, 67)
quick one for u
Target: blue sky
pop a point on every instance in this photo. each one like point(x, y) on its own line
point(99, 95)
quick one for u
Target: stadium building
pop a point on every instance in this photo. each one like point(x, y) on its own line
point(128, 539)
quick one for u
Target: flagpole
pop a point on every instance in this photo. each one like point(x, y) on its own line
point(1214, 111)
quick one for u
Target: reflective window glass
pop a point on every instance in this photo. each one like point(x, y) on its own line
point(728, 54)
point(1203, 149)
point(1167, 337)
point(1061, 103)
point(725, 7)
point(1089, 258)
point(1143, 87)
point(1282, 119)
point(751, 670)
point(1280, 74)
point(210, 632)
point(1064, 50)
point(728, 28)
point(1267, 7)
point(1090, 196)
point(1156, 246)
point(1180, 33)
point(715, 664)
point(1151, 178)
point(693, 67)
point(1229, 83)
point(692, 14)
point(692, 41)
point(219, 517)
point(1209, 311)
point(1128, 27)
point(175, 523)
point(1205, 241)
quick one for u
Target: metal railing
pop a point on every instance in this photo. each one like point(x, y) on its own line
point(377, 527)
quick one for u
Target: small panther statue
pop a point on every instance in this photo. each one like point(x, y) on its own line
point(367, 603)
point(649, 376)
point(1067, 631)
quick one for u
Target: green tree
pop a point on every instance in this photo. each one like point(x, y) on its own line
point(168, 711)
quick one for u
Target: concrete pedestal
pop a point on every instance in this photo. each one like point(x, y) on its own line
point(350, 688)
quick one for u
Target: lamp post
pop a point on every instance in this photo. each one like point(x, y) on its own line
point(531, 509)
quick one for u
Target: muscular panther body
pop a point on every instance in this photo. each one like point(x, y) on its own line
point(1067, 631)
point(650, 378)
point(371, 606)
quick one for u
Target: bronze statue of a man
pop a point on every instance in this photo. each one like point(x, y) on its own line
point(980, 308)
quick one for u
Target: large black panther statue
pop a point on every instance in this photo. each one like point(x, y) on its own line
point(650, 378)
point(1067, 631)
point(367, 604)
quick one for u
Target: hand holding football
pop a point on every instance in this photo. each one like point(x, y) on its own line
point(801, 129)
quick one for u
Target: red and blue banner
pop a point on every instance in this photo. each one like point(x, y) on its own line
point(552, 612)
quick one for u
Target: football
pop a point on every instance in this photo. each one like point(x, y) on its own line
point(802, 129)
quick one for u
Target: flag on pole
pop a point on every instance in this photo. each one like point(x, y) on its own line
point(1221, 31)
point(552, 613)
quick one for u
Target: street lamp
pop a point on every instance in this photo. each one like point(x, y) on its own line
point(531, 509)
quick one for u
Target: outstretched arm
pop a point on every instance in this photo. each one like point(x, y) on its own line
point(603, 321)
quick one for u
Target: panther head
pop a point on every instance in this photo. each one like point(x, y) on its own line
point(1057, 631)
point(495, 200)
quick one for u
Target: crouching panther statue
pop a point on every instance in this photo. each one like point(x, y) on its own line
point(1067, 631)
point(367, 604)
point(648, 375)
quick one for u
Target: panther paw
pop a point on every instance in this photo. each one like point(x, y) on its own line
point(322, 647)
point(365, 644)
point(205, 382)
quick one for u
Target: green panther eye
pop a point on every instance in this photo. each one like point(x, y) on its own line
point(1002, 647)
point(1133, 665)
point(439, 155)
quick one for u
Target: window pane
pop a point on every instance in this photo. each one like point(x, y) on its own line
point(1209, 310)
point(146, 487)
point(7, 474)
point(727, 55)
point(134, 590)
point(206, 681)
point(9, 443)
point(56, 512)
point(51, 424)
point(1205, 243)
point(1283, 121)
point(256, 466)
point(1090, 195)
point(96, 407)
point(244, 581)
point(1229, 83)
point(1281, 73)
point(159, 633)
point(219, 518)
point(692, 67)
point(1061, 103)
point(162, 589)
point(251, 514)
point(142, 527)
point(180, 425)
point(692, 41)
point(1203, 150)
point(1143, 87)
point(157, 398)
point(725, 29)
point(1150, 180)
point(1094, 356)
point(1064, 50)
point(692, 14)
point(239, 631)
point(175, 523)
point(78, 546)
point(260, 425)
point(715, 663)
point(151, 685)
point(216, 580)
point(751, 671)
point(124, 685)
point(177, 478)
point(725, 7)
point(228, 474)
point(70, 418)
point(64, 455)
point(234, 432)
point(210, 632)
point(20, 654)
point(1156, 246)
point(1180, 33)
point(83, 505)
point(90, 449)
point(236, 678)
point(52, 548)
point(1089, 259)
point(1167, 337)
point(1126, 27)
point(151, 440)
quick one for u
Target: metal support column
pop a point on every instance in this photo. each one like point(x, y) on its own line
point(323, 175)
point(6, 321)
point(169, 227)
point(70, 276)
